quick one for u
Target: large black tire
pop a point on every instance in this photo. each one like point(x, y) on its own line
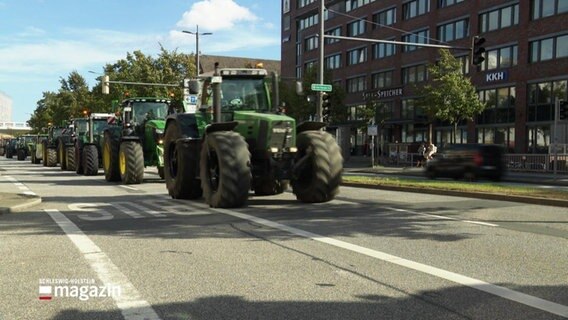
point(90, 160)
point(78, 158)
point(110, 158)
point(70, 158)
point(9, 153)
point(131, 162)
point(61, 156)
point(21, 154)
point(181, 165)
point(33, 157)
point(225, 169)
point(51, 157)
point(318, 178)
point(44, 153)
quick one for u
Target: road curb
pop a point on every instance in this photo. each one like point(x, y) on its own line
point(25, 203)
point(476, 195)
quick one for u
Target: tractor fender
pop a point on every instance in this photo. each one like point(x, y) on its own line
point(187, 123)
point(130, 138)
point(309, 125)
point(221, 126)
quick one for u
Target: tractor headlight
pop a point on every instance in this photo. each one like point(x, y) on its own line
point(273, 150)
point(159, 135)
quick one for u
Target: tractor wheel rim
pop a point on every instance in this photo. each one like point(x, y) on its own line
point(122, 162)
point(106, 158)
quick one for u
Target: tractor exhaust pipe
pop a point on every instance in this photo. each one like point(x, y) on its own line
point(217, 94)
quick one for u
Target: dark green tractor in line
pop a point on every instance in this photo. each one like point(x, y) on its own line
point(66, 143)
point(10, 147)
point(87, 149)
point(51, 154)
point(237, 141)
point(22, 146)
point(136, 142)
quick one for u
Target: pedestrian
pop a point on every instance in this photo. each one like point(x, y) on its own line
point(421, 152)
point(431, 150)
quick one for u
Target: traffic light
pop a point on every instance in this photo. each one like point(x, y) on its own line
point(105, 85)
point(325, 107)
point(563, 110)
point(477, 50)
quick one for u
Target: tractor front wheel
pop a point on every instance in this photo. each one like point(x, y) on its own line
point(70, 158)
point(51, 157)
point(225, 169)
point(110, 158)
point(181, 161)
point(319, 166)
point(90, 160)
point(21, 154)
point(61, 156)
point(78, 158)
point(131, 162)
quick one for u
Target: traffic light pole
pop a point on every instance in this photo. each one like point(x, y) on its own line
point(555, 136)
point(319, 100)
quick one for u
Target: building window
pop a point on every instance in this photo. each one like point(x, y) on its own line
point(415, 8)
point(503, 135)
point(499, 18)
point(382, 79)
point(550, 48)
point(356, 28)
point(333, 62)
point(358, 84)
point(547, 8)
point(286, 22)
point(311, 43)
point(383, 50)
point(308, 22)
point(447, 3)
point(453, 30)
point(505, 57)
point(333, 32)
point(542, 97)
point(309, 65)
point(384, 18)
point(414, 74)
point(303, 3)
point(298, 72)
point(464, 63)
point(539, 138)
point(354, 4)
point(415, 37)
point(356, 56)
point(500, 105)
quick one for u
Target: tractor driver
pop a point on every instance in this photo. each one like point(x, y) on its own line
point(231, 97)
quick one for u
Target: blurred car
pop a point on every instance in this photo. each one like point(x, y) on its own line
point(468, 161)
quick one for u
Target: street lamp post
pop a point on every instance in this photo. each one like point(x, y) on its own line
point(197, 34)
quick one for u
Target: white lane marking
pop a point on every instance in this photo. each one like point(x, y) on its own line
point(120, 206)
point(21, 186)
point(147, 210)
point(30, 193)
point(9, 178)
point(130, 302)
point(442, 217)
point(174, 207)
point(127, 187)
point(91, 207)
point(506, 293)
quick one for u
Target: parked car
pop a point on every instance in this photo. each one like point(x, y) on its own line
point(468, 161)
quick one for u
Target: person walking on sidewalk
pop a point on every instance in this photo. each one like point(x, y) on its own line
point(431, 150)
point(421, 153)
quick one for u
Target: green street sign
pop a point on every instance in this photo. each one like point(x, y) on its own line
point(321, 87)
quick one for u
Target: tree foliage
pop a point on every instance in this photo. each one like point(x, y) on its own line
point(449, 96)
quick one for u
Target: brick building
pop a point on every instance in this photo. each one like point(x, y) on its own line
point(525, 67)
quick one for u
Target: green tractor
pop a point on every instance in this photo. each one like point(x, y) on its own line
point(237, 140)
point(65, 143)
point(22, 146)
point(136, 142)
point(51, 156)
point(36, 148)
point(10, 147)
point(88, 144)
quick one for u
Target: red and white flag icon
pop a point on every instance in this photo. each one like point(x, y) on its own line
point(45, 293)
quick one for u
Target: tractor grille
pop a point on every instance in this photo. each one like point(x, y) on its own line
point(281, 135)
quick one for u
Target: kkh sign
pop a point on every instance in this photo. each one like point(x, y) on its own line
point(497, 76)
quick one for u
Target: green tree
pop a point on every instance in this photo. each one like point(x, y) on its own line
point(449, 96)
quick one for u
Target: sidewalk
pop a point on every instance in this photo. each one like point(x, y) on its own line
point(363, 164)
point(11, 198)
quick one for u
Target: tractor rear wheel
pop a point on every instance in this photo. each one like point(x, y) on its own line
point(61, 156)
point(225, 169)
point(78, 158)
point(131, 162)
point(317, 179)
point(90, 160)
point(44, 153)
point(70, 158)
point(21, 154)
point(181, 165)
point(110, 158)
point(33, 156)
point(51, 157)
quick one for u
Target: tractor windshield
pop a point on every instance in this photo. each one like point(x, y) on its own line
point(149, 111)
point(244, 94)
point(99, 125)
point(80, 126)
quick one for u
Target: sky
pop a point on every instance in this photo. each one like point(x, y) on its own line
point(42, 41)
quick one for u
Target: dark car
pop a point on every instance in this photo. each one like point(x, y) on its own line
point(468, 161)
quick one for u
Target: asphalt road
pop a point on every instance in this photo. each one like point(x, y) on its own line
point(369, 254)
